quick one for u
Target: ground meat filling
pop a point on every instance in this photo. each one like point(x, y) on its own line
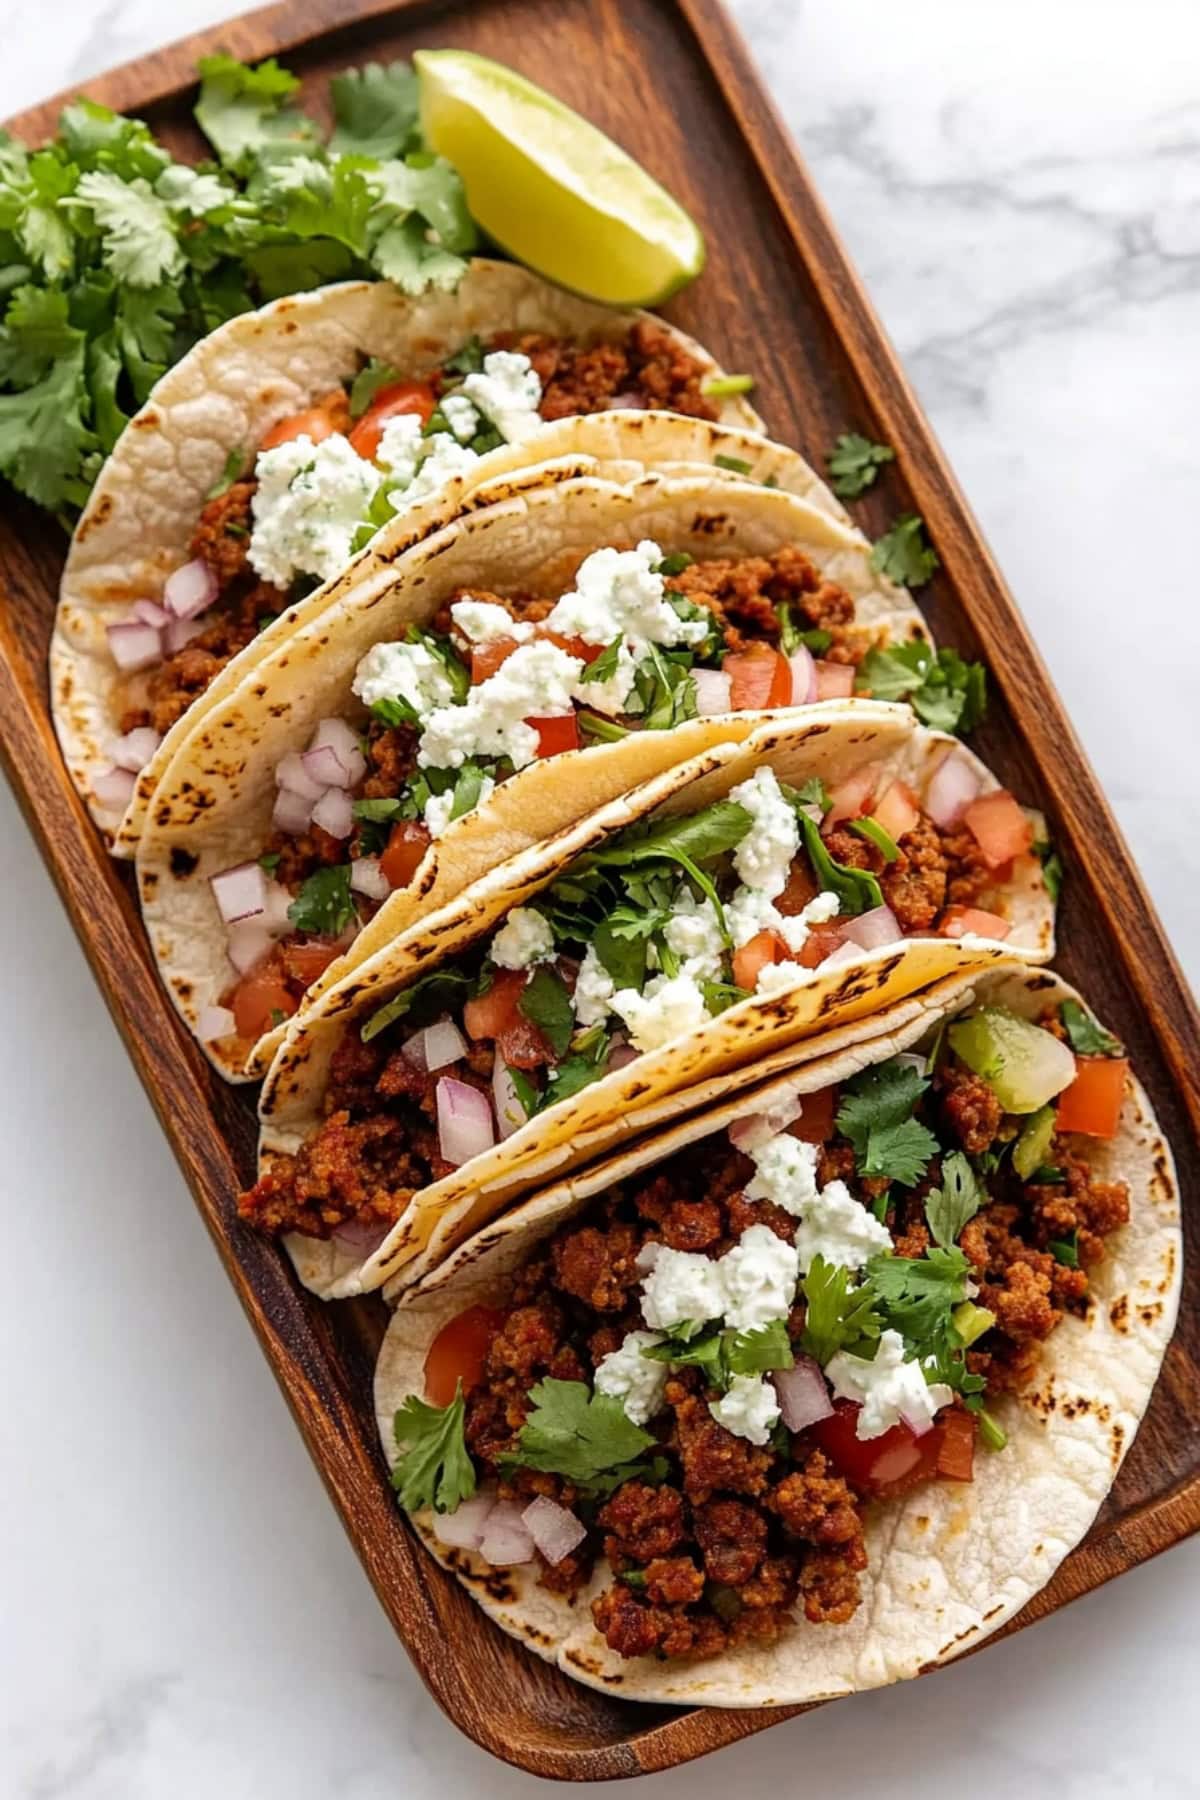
point(650, 370)
point(744, 592)
point(934, 869)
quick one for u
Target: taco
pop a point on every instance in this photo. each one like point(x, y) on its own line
point(214, 518)
point(813, 1392)
point(750, 899)
point(524, 666)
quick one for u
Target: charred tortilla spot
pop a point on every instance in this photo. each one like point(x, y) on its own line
point(1038, 983)
point(1117, 1438)
point(1151, 1312)
point(144, 421)
point(182, 862)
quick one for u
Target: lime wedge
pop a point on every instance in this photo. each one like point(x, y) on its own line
point(551, 189)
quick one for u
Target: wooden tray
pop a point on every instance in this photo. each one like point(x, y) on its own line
point(670, 79)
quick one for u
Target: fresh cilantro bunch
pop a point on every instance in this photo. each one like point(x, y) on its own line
point(115, 258)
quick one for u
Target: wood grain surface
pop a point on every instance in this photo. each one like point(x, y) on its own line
point(671, 81)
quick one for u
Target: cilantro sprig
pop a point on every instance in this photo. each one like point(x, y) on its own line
point(903, 555)
point(1086, 1035)
point(434, 1468)
point(854, 462)
point(585, 1437)
point(945, 692)
point(876, 1115)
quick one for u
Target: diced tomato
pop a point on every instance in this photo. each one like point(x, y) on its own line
point(406, 845)
point(522, 1046)
point(835, 681)
point(897, 809)
point(998, 826)
point(556, 734)
point(391, 402)
point(958, 920)
point(956, 1455)
point(315, 423)
point(760, 677)
point(852, 798)
point(486, 1015)
point(459, 1352)
point(259, 998)
point(815, 1124)
point(487, 658)
point(1092, 1104)
point(306, 963)
point(882, 1465)
point(572, 646)
point(766, 947)
point(821, 942)
point(801, 888)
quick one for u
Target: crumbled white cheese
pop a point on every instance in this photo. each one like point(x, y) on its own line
point(820, 910)
point(888, 1388)
point(679, 1286)
point(618, 593)
point(594, 988)
point(748, 1409)
point(460, 416)
point(307, 507)
point(507, 391)
point(408, 672)
point(764, 857)
point(777, 978)
point(401, 446)
point(693, 932)
point(840, 1228)
point(635, 1380)
point(524, 938)
point(785, 1173)
point(667, 1009)
point(750, 911)
point(759, 1276)
point(486, 623)
point(444, 460)
point(536, 682)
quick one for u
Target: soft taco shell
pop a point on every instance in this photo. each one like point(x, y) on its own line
point(213, 806)
point(831, 741)
point(225, 394)
point(950, 1563)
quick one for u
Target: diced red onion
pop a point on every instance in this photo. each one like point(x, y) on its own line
point(334, 813)
point(342, 739)
point(465, 1127)
point(215, 1022)
point(246, 945)
point(952, 787)
point(114, 787)
point(444, 1044)
point(179, 632)
point(835, 681)
point(845, 952)
point(871, 930)
point(190, 589)
point(363, 1235)
point(917, 1423)
point(621, 1055)
point(134, 645)
point(554, 1529)
point(756, 1128)
point(134, 750)
point(714, 692)
point(240, 892)
point(510, 1114)
point(506, 1540)
point(413, 1051)
point(276, 902)
point(367, 877)
point(804, 676)
point(291, 773)
point(803, 1395)
point(291, 812)
point(851, 796)
point(463, 1528)
point(323, 766)
point(626, 403)
point(149, 614)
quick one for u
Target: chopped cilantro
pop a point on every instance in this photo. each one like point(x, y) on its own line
point(666, 690)
point(945, 692)
point(1087, 1036)
point(874, 833)
point(468, 360)
point(794, 637)
point(434, 1468)
point(716, 387)
point(604, 666)
point(431, 994)
point(918, 1294)
point(719, 996)
point(623, 951)
point(675, 564)
point(857, 889)
point(324, 904)
point(524, 1089)
point(854, 462)
point(1052, 868)
point(949, 1207)
point(876, 1115)
point(235, 462)
point(1066, 1251)
point(545, 1002)
point(760, 1351)
point(723, 1354)
point(902, 553)
point(269, 861)
point(839, 1316)
point(737, 465)
point(373, 375)
point(991, 1434)
point(585, 1437)
point(811, 792)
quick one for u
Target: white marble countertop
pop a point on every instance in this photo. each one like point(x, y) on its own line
point(180, 1614)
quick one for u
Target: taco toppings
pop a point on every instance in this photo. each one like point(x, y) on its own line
point(290, 514)
point(706, 1377)
point(632, 948)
